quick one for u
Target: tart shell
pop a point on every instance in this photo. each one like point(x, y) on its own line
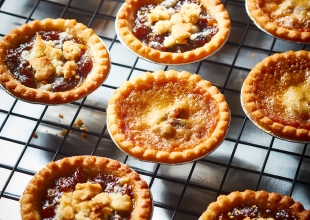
point(22, 34)
point(262, 199)
point(34, 194)
point(125, 21)
point(167, 153)
point(250, 96)
point(265, 23)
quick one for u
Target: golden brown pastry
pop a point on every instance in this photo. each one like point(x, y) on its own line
point(89, 187)
point(173, 31)
point(258, 205)
point(168, 117)
point(52, 61)
point(285, 19)
point(275, 95)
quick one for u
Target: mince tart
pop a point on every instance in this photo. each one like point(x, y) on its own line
point(52, 61)
point(173, 31)
point(86, 187)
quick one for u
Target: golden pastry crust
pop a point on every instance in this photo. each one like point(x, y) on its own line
point(125, 22)
point(168, 117)
point(275, 95)
point(261, 199)
point(92, 44)
point(35, 192)
point(285, 19)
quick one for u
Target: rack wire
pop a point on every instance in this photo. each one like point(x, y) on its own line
point(32, 135)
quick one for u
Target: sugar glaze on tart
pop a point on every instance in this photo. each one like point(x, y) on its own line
point(52, 61)
point(275, 95)
point(86, 187)
point(168, 117)
point(285, 19)
point(173, 31)
point(258, 205)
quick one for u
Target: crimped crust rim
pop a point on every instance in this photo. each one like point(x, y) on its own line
point(263, 122)
point(100, 71)
point(123, 29)
point(261, 198)
point(171, 157)
point(30, 202)
point(262, 21)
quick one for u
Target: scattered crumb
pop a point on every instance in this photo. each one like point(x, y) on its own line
point(63, 132)
point(80, 124)
point(61, 115)
point(253, 55)
point(35, 135)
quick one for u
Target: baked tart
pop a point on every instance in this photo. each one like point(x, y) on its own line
point(173, 31)
point(285, 19)
point(86, 187)
point(258, 205)
point(275, 95)
point(52, 61)
point(167, 117)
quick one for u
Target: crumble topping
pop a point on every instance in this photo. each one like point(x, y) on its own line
point(88, 202)
point(60, 57)
point(165, 122)
point(297, 100)
point(181, 25)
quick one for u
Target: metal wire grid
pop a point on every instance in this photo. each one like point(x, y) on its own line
point(32, 135)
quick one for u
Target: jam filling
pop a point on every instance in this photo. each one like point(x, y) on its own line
point(254, 212)
point(25, 74)
point(62, 185)
point(143, 31)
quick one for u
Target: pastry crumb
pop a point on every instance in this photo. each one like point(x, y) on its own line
point(61, 115)
point(80, 125)
point(35, 135)
point(63, 132)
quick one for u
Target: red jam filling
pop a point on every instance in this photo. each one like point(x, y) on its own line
point(144, 32)
point(67, 184)
point(24, 73)
point(254, 212)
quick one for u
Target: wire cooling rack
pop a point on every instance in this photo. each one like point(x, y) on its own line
point(32, 135)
